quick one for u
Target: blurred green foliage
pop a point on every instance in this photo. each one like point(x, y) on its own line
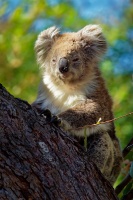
point(19, 72)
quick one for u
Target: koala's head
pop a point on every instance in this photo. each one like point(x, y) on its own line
point(70, 57)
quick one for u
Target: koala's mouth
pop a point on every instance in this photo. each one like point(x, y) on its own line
point(70, 78)
point(65, 76)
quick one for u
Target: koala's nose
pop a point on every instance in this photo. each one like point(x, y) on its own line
point(63, 65)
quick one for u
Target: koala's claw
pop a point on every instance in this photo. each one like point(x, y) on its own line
point(47, 114)
point(51, 118)
point(55, 120)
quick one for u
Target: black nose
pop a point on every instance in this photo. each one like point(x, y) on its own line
point(63, 65)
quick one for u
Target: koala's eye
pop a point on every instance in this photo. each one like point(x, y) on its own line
point(75, 59)
point(87, 47)
point(53, 60)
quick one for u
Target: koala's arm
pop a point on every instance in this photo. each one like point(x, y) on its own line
point(86, 113)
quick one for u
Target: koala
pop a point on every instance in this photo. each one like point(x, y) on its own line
point(73, 89)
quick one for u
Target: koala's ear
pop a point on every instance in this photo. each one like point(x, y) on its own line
point(44, 43)
point(93, 40)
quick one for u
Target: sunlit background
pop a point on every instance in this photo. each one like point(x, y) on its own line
point(22, 20)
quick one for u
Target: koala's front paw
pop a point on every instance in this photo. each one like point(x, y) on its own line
point(51, 118)
point(47, 114)
point(55, 120)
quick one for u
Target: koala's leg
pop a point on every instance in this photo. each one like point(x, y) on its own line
point(101, 152)
point(118, 159)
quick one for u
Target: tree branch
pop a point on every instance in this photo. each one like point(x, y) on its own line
point(127, 149)
point(120, 187)
point(39, 161)
point(128, 196)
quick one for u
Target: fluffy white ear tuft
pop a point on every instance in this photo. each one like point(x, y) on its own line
point(91, 30)
point(44, 43)
point(93, 41)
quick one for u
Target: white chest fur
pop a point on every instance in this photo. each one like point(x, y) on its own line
point(58, 98)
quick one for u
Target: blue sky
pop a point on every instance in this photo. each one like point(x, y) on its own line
point(107, 10)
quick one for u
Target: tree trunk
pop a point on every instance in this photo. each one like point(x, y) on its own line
point(39, 161)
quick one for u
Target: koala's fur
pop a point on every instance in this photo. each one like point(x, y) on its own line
point(73, 89)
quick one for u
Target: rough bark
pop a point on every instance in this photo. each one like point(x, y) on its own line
point(39, 161)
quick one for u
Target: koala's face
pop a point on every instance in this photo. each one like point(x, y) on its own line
point(70, 57)
point(66, 58)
